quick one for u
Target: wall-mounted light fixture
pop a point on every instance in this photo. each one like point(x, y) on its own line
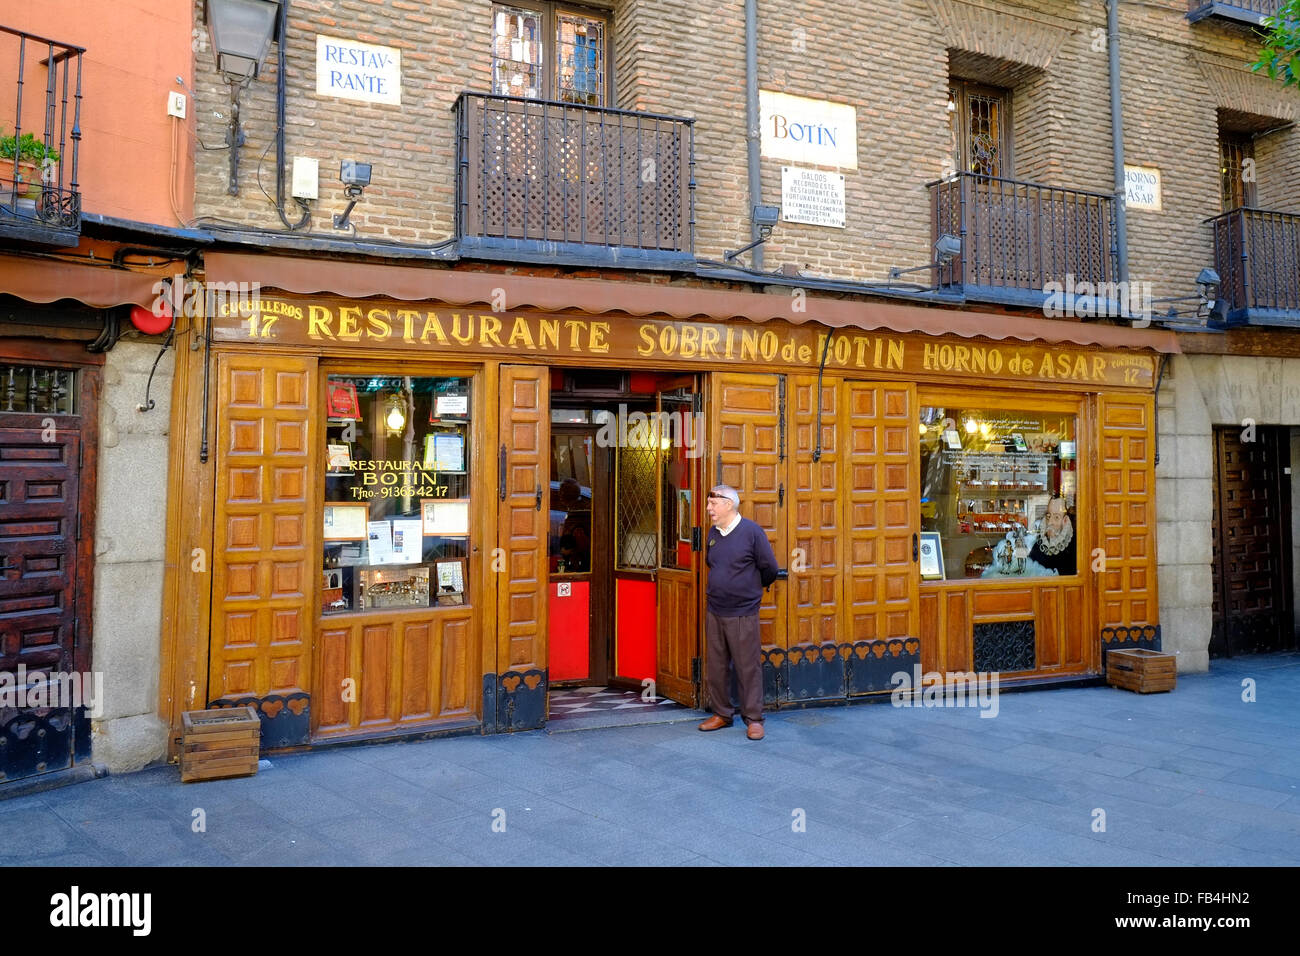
point(946, 248)
point(1210, 305)
point(241, 32)
point(355, 177)
point(765, 218)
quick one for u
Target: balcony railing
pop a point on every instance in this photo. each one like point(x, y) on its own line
point(575, 182)
point(40, 139)
point(1257, 256)
point(1018, 237)
point(1252, 12)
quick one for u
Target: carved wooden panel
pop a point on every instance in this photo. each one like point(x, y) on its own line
point(399, 670)
point(816, 584)
point(39, 498)
point(750, 456)
point(930, 629)
point(678, 635)
point(1127, 520)
point(880, 477)
point(523, 518)
point(264, 565)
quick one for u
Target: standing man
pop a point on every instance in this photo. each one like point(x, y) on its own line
point(741, 564)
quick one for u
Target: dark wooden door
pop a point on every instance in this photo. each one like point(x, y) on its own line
point(1252, 542)
point(39, 609)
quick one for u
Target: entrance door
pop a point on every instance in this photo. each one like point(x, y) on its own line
point(579, 556)
point(40, 508)
point(522, 527)
point(1252, 543)
point(677, 658)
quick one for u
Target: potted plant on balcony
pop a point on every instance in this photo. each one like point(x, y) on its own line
point(35, 163)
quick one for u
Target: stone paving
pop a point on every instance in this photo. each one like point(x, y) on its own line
point(1195, 777)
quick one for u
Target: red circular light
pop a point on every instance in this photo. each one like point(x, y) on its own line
point(151, 323)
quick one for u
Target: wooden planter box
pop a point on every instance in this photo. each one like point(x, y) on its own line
point(217, 743)
point(1141, 670)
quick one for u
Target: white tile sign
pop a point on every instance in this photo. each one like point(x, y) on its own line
point(1142, 187)
point(350, 70)
point(812, 196)
point(801, 130)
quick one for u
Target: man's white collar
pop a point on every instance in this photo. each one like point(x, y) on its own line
point(731, 527)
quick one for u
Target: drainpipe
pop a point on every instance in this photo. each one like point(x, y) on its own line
point(1117, 139)
point(280, 63)
point(752, 121)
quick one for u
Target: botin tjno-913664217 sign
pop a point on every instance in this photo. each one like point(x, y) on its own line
point(448, 330)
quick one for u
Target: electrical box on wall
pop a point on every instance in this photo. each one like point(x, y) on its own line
point(306, 177)
point(176, 105)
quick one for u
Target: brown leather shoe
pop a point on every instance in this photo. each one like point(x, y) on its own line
point(755, 730)
point(715, 723)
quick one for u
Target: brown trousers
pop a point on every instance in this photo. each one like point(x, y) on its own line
point(734, 641)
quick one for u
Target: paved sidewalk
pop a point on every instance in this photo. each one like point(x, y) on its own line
point(1193, 777)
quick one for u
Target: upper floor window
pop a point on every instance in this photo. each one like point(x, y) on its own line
point(979, 119)
point(1236, 169)
point(553, 52)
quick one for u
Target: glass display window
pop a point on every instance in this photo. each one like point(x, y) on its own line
point(397, 509)
point(999, 492)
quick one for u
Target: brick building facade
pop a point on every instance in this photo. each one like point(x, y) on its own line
point(1014, 96)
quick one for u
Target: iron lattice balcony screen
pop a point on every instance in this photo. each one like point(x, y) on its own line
point(1257, 256)
point(1250, 9)
point(1022, 235)
point(556, 172)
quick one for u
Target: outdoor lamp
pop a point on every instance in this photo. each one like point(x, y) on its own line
point(355, 177)
point(1208, 284)
point(947, 248)
point(241, 32)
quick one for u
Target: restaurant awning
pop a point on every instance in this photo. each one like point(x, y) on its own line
point(95, 283)
point(612, 296)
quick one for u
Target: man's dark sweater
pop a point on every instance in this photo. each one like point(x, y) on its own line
point(740, 564)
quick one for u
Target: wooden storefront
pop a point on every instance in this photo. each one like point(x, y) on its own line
point(824, 432)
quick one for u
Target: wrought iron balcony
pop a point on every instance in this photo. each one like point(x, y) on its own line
point(40, 136)
point(1257, 256)
point(537, 179)
point(1250, 12)
point(1018, 237)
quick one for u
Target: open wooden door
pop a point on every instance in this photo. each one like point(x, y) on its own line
point(677, 658)
point(523, 525)
point(749, 438)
